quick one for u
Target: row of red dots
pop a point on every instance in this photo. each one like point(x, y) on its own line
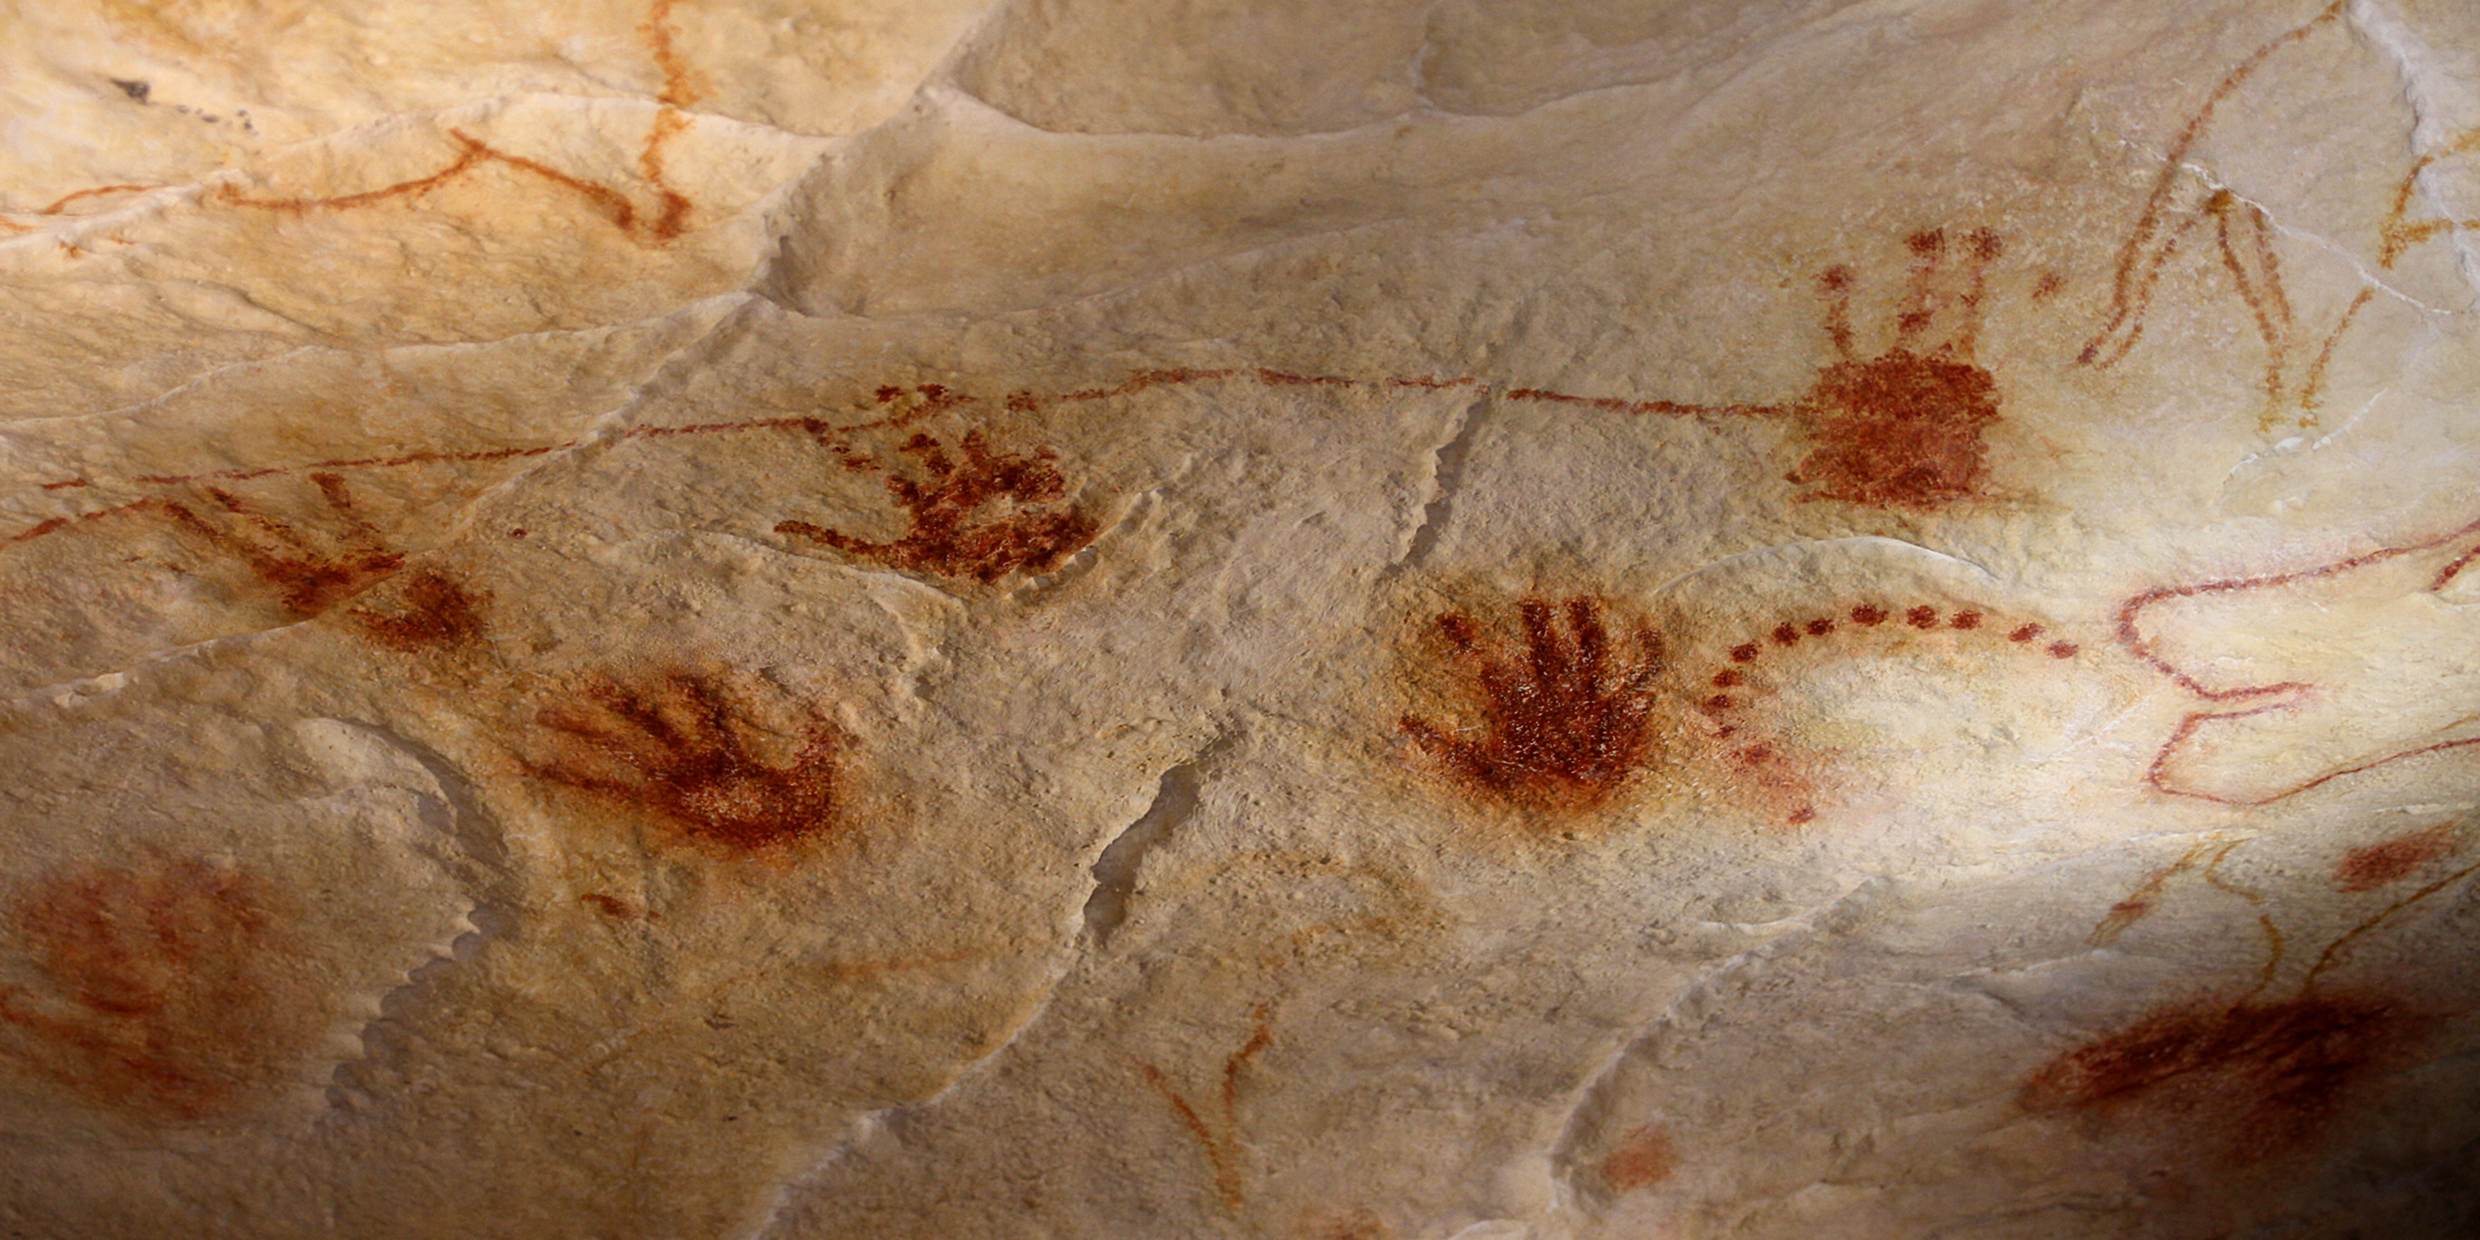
point(1868, 615)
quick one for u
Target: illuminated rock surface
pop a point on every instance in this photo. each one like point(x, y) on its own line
point(1109, 618)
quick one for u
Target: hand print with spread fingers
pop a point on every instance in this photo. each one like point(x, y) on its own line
point(1903, 429)
point(2260, 1075)
point(163, 992)
point(1564, 719)
point(677, 748)
point(311, 568)
point(2314, 674)
point(983, 514)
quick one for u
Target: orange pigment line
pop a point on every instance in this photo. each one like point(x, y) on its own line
point(2312, 391)
point(473, 153)
point(66, 199)
point(2128, 294)
point(675, 214)
point(936, 399)
point(658, 33)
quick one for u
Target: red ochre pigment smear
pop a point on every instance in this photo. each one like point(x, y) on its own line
point(676, 750)
point(2250, 1078)
point(1746, 671)
point(681, 85)
point(2131, 636)
point(1328, 1223)
point(1643, 1158)
point(1218, 1137)
point(2243, 1082)
point(985, 516)
point(2376, 865)
point(1564, 720)
point(163, 999)
point(312, 572)
point(1903, 429)
point(431, 611)
point(308, 577)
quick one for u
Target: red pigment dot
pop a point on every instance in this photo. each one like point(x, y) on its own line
point(1726, 678)
point(1967, 620)
point(1744, 654)
point(1801, 815)
point(2062, 650)
point(2025, 634)
point(1725, 732)
point(1819, 628)
point(1868, 613)
point(1755, 754)
point(1921, 617)
point(1784, 634)
point(886, 394)
point(1720, 701)
point(516, 533)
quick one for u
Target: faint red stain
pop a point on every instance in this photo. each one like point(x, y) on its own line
point(2374, 865)
point(165, 997)
point(983, 517)
point(676, 748)
point(1904, 429)
point(1329, 1223)
point(2243, 1081)
point(1563, 718)
point(680, 85)
point(433, 611)
point(1644, 1157)
point(611, 906)
point(1218, 1138)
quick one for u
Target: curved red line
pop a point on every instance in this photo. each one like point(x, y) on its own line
point(2131, 636)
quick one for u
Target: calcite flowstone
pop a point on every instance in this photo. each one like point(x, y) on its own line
point(1120, 618)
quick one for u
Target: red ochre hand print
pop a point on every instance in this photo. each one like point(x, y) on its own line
point(2230, 1081)
point(1739, 683)
point(162, 996)
point(1903, 429)
point(311, 570)
point(2239, 1082)
point(983, 516)
point(1564, 720)
point(2315, 674)
point(677, 750)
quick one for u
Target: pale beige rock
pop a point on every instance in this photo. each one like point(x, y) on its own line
point(1335, 622)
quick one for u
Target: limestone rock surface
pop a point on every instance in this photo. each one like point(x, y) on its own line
point(1542, 619)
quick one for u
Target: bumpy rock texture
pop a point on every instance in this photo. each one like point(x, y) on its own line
point(1318, 620)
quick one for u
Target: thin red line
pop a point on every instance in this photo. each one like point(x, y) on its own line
point(932, 402)
point(2131, 637)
